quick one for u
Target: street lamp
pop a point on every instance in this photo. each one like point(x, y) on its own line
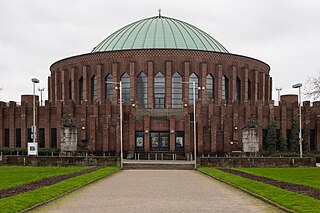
point(278, 90)
point(194, 121)
point(299, 85)
point(41, 89)
point(34, 131)
point(121, 143)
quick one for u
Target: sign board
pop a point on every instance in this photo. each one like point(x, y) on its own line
point(32, 148)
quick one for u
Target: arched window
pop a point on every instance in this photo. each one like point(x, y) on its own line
point(176, 91)
point(249, 89)
point(193, 77)
point(81, 89)
point(125, 83)
point(238, 89)
point(225, 88)
point(94, 88)
point(142, 92)
point(210, 87)
point(70, 89)
point(108, 87)
point(159, 91)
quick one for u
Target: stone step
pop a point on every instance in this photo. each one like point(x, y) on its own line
point(160, 165)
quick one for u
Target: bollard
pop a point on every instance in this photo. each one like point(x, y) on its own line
point(156, 156)
point(104, 154)
point(161, 156)
point(17, 153)
point(135, 156)
point(138, 156)
point(148, 156)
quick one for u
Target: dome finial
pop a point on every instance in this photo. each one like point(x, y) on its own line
point(159, 12)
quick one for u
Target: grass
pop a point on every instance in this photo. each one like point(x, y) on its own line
point(11, 176)
point(303, 176)
point(290, 200)
point(28, 199)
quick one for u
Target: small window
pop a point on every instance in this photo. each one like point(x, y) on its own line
point(193, 78)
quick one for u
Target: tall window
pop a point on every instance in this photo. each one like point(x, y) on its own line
point(94, 88)
point(238, 89)
point(159, 91)
point(249, 90)
point(81, 89)
point(6, 138)
point(225, 88)
point(53, 135)
point(41, 138)
point(176, 90)
point(210, 87)
point(18, 137)
point(193, 77)
point(125, 81)
point(70, 89)
point(108, 86)
point(142, 92)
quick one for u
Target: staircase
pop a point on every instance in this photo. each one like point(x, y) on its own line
point(157, 165)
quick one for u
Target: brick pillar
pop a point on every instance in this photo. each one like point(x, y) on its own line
point(202, 82)
point(52, 88)
point(49, 88)
point(218, 87)
point(199, 122)
point(57, 87)
point(85, 83)
point(146, 125)
point(260, 118)
point(187, 141)
point(73, 84)
point(262, 83)
point(23, 124)
point(233, 81)
point(105, 133)
point(58, 119)
point(100, 84)
point(213, 122)
point(47, 125)
point(115, 78)
point(185, 86)
point(246, 79)
point(255, 86)
point(168, 85)
point(92, 133)
point(64, 85)
point(150, 84)
point(172, 134)
point(267, 86)
point(283, 119)
point(11, 118)
point(132, 133)
point(132, 70)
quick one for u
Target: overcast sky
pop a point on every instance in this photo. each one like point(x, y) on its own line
point(36, 33)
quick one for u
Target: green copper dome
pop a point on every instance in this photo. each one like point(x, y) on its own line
point(159, 32)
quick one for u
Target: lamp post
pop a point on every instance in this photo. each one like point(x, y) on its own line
point(278, 90)
point(121, 140)
point(34, 131)
point(299, 85)
point(194, 122)
point(41, 89)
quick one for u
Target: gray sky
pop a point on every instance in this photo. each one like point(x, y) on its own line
point(36, 33)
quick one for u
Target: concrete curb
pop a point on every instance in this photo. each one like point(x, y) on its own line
point(250, 193)
point(66, 193)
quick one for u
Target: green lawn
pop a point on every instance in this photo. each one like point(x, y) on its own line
point(304, 176)
point(11, 176)
point(290, 200)
point(25, 200)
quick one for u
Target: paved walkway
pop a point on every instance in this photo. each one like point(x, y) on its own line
point(157, 191)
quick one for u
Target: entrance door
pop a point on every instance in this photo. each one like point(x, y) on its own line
point(159, 141)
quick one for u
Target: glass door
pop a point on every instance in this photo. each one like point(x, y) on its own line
point(159, 141)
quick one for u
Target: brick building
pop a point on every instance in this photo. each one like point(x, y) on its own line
point(157, 60)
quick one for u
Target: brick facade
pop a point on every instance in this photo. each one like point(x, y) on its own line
point(219, 122)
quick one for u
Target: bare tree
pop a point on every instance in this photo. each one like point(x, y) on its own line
point(312, 88)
